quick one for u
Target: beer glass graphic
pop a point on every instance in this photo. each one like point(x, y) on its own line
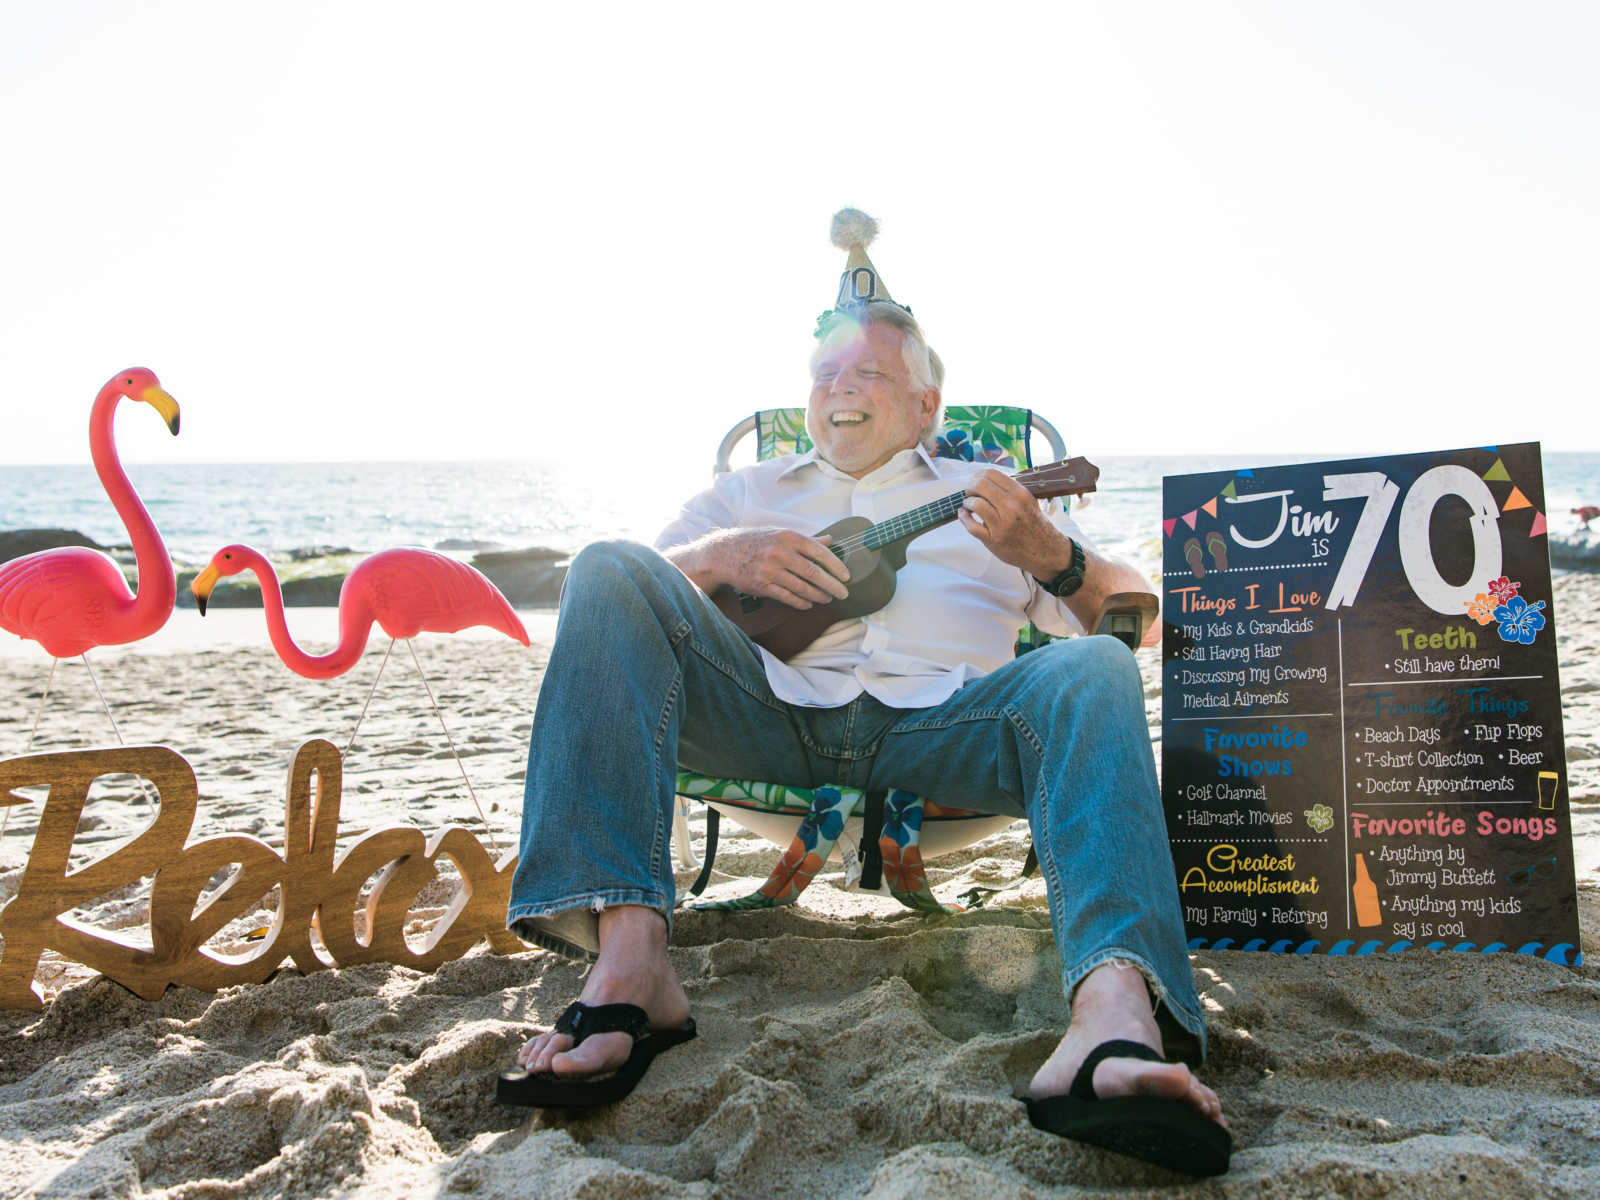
point(1549, 781)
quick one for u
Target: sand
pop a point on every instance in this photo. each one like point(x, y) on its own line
point(847, 1047)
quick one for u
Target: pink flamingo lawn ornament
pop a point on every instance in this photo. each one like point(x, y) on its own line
point(406, 591)
point(72, 599)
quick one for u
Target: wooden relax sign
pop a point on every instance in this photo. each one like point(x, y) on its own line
point(315, 891)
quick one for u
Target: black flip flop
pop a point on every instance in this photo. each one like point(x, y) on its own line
point(581, 1021)
point(1153, 1129)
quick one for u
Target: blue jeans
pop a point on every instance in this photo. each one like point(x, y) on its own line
point(646, 675)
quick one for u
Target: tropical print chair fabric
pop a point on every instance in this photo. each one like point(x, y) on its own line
point(819, 831)
point(902, 857)
point(993, 433)
point(769, 797)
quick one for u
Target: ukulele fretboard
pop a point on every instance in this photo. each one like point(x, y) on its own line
point(925, 517)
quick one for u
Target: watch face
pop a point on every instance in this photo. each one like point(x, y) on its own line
point(1071, 579)
point(1067, 582)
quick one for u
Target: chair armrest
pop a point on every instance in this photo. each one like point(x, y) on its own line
point(1127, 616)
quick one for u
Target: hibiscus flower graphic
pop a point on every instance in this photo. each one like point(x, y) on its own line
point(902, 866)
point(1503, 589)
point(1481, 608)
point(1519, 620)
point(791, 875)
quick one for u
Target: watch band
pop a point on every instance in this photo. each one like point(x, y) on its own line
point(1071, 579)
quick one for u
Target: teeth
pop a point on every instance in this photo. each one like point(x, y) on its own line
point(848, 418)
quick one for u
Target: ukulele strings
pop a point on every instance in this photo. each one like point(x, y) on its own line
point(913, 518)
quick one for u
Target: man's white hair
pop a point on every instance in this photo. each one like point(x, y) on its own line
point(924, 367)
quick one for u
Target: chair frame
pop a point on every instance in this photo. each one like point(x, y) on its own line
point(730, 440)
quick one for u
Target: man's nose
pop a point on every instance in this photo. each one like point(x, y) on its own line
point(843, 384)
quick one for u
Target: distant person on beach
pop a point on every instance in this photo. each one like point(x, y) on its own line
point(646, 674)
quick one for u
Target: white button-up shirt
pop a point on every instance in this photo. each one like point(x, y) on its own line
point(956, 608)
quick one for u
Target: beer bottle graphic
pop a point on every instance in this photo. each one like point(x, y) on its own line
point(1365, 893)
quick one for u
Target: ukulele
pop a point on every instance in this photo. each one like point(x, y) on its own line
point(874, 552)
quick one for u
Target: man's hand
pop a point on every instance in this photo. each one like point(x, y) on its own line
point(1005, 517)
point(777, 563)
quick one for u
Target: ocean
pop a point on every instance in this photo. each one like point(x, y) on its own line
point(281, 507)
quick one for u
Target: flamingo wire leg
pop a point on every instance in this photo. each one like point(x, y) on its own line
point(38, 712)
point(5, 821)
point(493, 844)
point(94, 680)
point(144, 785)
point(370, 693)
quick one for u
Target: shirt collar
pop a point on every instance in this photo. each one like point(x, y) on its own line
point(902, 462)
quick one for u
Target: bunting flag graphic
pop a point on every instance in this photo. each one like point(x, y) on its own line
point(1209, 507)
point(1497, 473)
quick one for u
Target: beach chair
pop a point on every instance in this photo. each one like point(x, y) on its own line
point(896, 831)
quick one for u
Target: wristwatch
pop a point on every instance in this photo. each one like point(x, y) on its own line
point(1071, 579)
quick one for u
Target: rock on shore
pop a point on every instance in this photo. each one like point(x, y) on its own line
point(1578, 550)
point(311, 576)
point(14, 543)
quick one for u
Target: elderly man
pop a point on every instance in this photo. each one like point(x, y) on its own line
point(646, 674)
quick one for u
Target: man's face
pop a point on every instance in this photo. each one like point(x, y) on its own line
point(863, 409)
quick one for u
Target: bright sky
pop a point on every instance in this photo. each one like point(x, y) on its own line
point(505, 230)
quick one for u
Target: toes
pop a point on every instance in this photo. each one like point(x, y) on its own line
point(554, 1044)
point(535, 1056)
point(1207, 1101)
point(554, 1054)
point(600, 1053)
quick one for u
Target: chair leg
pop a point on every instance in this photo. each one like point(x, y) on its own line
point(680, 835)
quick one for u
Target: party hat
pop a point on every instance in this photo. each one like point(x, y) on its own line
point(860, 284)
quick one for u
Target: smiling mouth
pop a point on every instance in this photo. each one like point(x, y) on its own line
point(847, 418)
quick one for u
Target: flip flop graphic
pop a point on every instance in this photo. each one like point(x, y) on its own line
point(1218, 545)
point(1191, 551)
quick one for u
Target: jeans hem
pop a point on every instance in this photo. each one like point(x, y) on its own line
point(571, 926)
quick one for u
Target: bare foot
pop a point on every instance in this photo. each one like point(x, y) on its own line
point(632, 969)
point(1112, 1002)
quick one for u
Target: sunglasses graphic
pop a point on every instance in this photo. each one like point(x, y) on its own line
point(1545, 868)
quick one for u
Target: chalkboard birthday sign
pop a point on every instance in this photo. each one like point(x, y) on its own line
point(1361, 718)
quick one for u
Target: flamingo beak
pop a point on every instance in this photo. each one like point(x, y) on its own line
point(201, 587)
point(164, 404)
